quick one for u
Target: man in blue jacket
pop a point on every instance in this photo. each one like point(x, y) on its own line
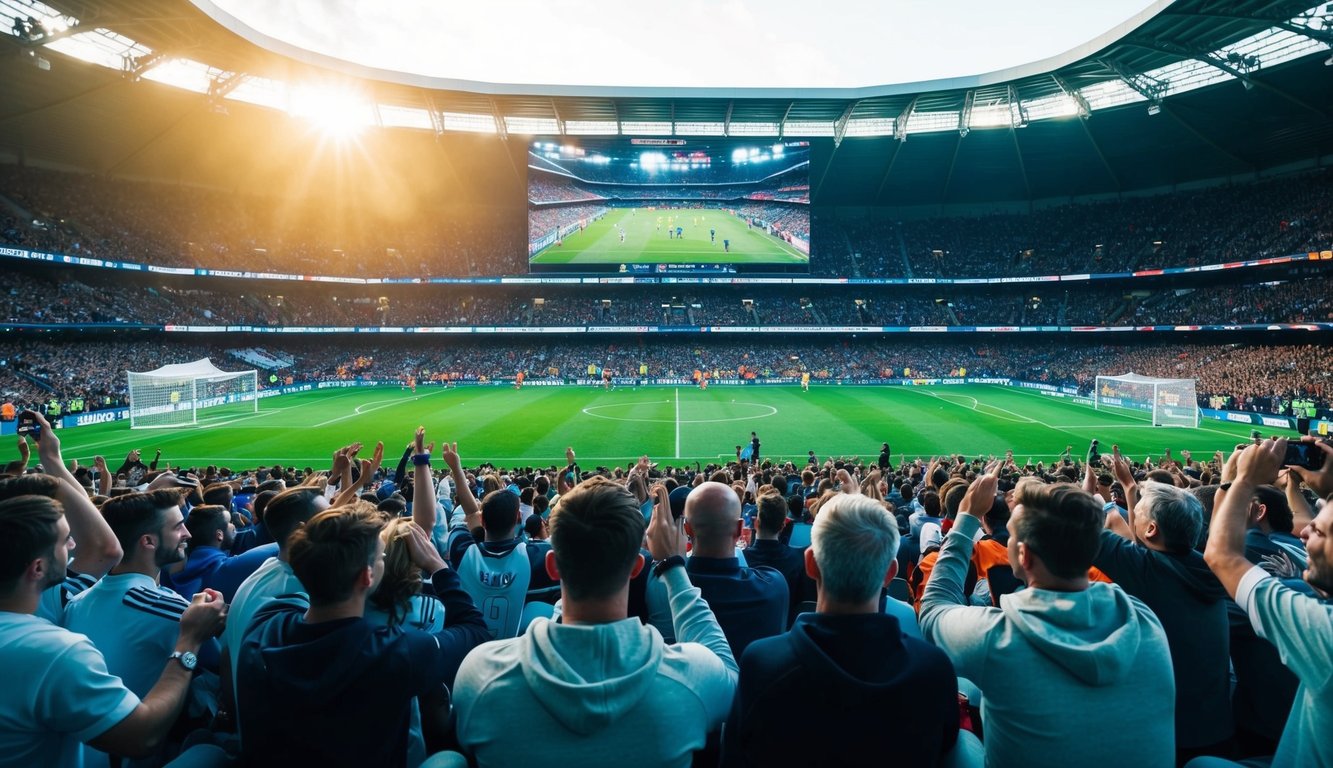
point(849, 664)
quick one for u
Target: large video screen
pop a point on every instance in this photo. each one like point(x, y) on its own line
point(661, 205)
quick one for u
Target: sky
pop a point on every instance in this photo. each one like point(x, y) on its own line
point(687, 43)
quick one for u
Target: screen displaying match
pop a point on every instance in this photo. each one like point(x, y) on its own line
point(666, 204)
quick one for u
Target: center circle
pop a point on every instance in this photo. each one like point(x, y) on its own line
point(590, 411)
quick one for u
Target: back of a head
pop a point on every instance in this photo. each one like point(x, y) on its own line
point(499, 513)
point(328, 553)
point(1177, 512)
point(596, 532)
point(1061, 524)
point(951, 495)
point(260, 503)
point(28, 529)
point(854, 539)
point(712, 511)
point(394, 506)
point(1276, 509)
point(772, 512)
point(218, 493)
point(33, 484)
point(291, 509)
point(204, 523)
point(930, 501)
point(135, 514)
point(402, 577)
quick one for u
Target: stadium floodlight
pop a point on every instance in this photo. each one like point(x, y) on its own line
point(1169, 402)
point(173, 395)
point(1155, 108)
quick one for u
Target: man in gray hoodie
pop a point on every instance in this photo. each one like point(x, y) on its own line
point(1072, 673)
point(599, 688)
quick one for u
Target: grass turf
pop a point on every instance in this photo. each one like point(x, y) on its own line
point(670, 424)
point(645, 243)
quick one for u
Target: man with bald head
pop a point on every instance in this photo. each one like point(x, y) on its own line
point(750, 603)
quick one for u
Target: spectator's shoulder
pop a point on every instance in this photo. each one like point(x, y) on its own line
point(162, 603)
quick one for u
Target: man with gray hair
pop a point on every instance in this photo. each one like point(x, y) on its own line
point(876, 688)
point(1155, 561)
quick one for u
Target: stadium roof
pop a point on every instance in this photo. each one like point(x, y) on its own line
point(1200, 90)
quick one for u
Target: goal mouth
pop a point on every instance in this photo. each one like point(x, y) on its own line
point(175, 395)
point(1162, 401)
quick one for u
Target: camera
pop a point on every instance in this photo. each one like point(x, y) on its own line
point(28, 425)
point(1307, 455)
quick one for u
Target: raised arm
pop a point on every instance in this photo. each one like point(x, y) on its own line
point(103, 476)
point(562, 484)
point(21, 465)
point(463, 489)
point(694, 621)
point(1225, 553)
point(97, 551)
point(423, 483)
point(946, 618)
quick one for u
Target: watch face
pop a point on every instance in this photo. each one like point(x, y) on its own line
point(188, 660)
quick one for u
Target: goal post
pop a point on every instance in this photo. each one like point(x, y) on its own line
point(1167, 402)
point(174, 395)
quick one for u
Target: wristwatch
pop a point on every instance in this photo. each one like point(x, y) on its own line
point(188, 660)
point(662, 566)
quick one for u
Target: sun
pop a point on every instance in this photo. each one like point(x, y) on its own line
point(335, 112)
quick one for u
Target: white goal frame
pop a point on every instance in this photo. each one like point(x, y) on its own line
point(1171, 402)
point(173, 395)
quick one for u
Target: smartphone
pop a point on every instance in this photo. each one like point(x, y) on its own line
point(1306, 455)
point(28, 426)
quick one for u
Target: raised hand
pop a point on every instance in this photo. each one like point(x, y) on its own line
point(666, 533)
point(1260, 463)
point(422, 551)
point(981, 493)
point(1320, 480)
point(449, 452)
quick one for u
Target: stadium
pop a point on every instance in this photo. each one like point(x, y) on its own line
point(257, 256)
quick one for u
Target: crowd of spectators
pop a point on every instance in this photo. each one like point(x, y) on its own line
point(544, 221)
point(1236, 376)
point(174, 225)
point(1278, 217)
point(951, 611)
point(792, 219)
point(51, 299)
point(554, 188)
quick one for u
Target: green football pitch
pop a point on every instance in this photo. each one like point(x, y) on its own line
point(647, 241)
point(670, 424)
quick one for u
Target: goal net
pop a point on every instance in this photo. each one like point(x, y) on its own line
point(174, 395)
point(1169, 402)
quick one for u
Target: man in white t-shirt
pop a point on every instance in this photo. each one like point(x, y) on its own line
point(58, 693)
